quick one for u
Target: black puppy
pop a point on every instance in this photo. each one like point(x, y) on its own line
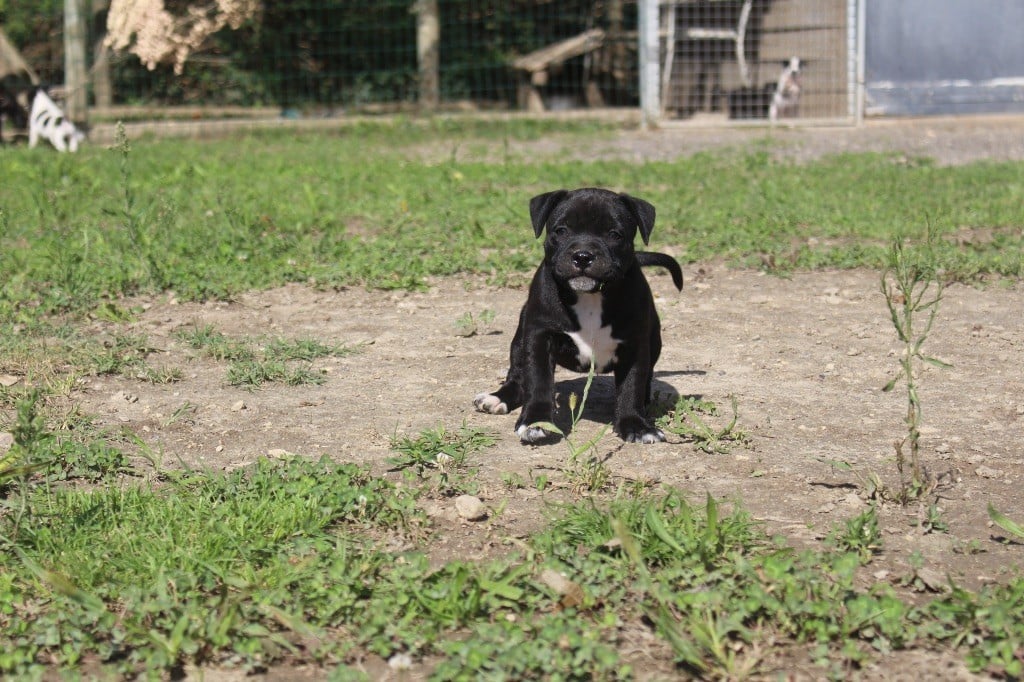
point(588, 303)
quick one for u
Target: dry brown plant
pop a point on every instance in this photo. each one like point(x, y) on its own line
point(158, 34)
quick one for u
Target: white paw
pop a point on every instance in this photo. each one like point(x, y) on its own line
point(489, 403)
point(532, 434)
point(647, 437)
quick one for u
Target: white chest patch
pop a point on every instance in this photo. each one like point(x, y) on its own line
point(593, 341)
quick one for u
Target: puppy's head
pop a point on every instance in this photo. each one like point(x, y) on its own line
point(590, 234)
point(789, 78)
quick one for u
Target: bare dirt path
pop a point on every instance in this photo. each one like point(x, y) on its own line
point(805, 357)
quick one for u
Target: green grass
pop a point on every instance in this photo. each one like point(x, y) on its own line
point(285, 561)
point(439, 456)
point(214, 218)
point(111, 566)
point(287, 361)
point(690, 418)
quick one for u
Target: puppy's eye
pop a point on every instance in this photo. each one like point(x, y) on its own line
point(616, 235)
point(561, 231)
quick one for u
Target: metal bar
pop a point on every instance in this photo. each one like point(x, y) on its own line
point(647, 53)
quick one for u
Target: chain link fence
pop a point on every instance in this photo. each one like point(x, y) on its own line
point(345, 54)
point(325, 58)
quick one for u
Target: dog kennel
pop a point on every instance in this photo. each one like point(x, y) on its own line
point(728, 59)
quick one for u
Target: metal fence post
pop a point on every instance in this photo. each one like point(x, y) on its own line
point(859, 100)
point(650, 106)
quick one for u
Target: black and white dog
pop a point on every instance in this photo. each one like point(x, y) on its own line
point(589, 304)
point(786, 100)
point(47, 121)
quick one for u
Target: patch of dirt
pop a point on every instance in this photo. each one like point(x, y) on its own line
point(805, 358)
point(946, 140)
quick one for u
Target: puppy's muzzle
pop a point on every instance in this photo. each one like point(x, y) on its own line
point(582, 260)
point(583, 282)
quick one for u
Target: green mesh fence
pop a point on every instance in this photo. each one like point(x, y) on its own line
point(334, 55)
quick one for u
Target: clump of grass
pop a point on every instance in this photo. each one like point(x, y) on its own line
point(287, 361)
point(30, 435)
point(440, 456)
point(127, 355)
point(471, 325)
point(689, 418)
point(63, 445)
point(859, 534)
point(913, 288)
point(214, 343)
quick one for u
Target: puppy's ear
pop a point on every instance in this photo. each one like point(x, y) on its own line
point(643, 212)
point(541, 207)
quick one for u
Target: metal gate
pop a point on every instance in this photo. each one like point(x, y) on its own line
point(785, 61)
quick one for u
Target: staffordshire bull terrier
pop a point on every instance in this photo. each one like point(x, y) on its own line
point(589, 304)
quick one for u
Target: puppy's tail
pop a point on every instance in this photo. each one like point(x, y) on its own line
point(665, 261)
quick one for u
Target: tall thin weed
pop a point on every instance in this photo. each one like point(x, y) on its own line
point(140, 238)
point(913, 288)
point(586, 470)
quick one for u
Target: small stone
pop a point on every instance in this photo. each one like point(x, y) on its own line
point(8, 380)
point(470, 508)
point(852, 500)
point(988, 472)
point(400, 662)
point(933, 580)
point(570, 592)
point(239, 406)
point(6, 441)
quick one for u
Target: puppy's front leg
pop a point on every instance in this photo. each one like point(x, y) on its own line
point(632, 387)
point(538, 374)
point(510, 394)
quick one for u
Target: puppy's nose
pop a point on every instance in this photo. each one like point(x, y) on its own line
point(581, 259)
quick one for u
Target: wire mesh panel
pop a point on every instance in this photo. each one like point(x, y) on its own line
point(330, 55)
point(539, 54)
point(324, 58)
point(755, 59)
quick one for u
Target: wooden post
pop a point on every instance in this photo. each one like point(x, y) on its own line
point(75, 73)
point(102, 86)
point(102, 82)
point(428, 37)
point(616, 17)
